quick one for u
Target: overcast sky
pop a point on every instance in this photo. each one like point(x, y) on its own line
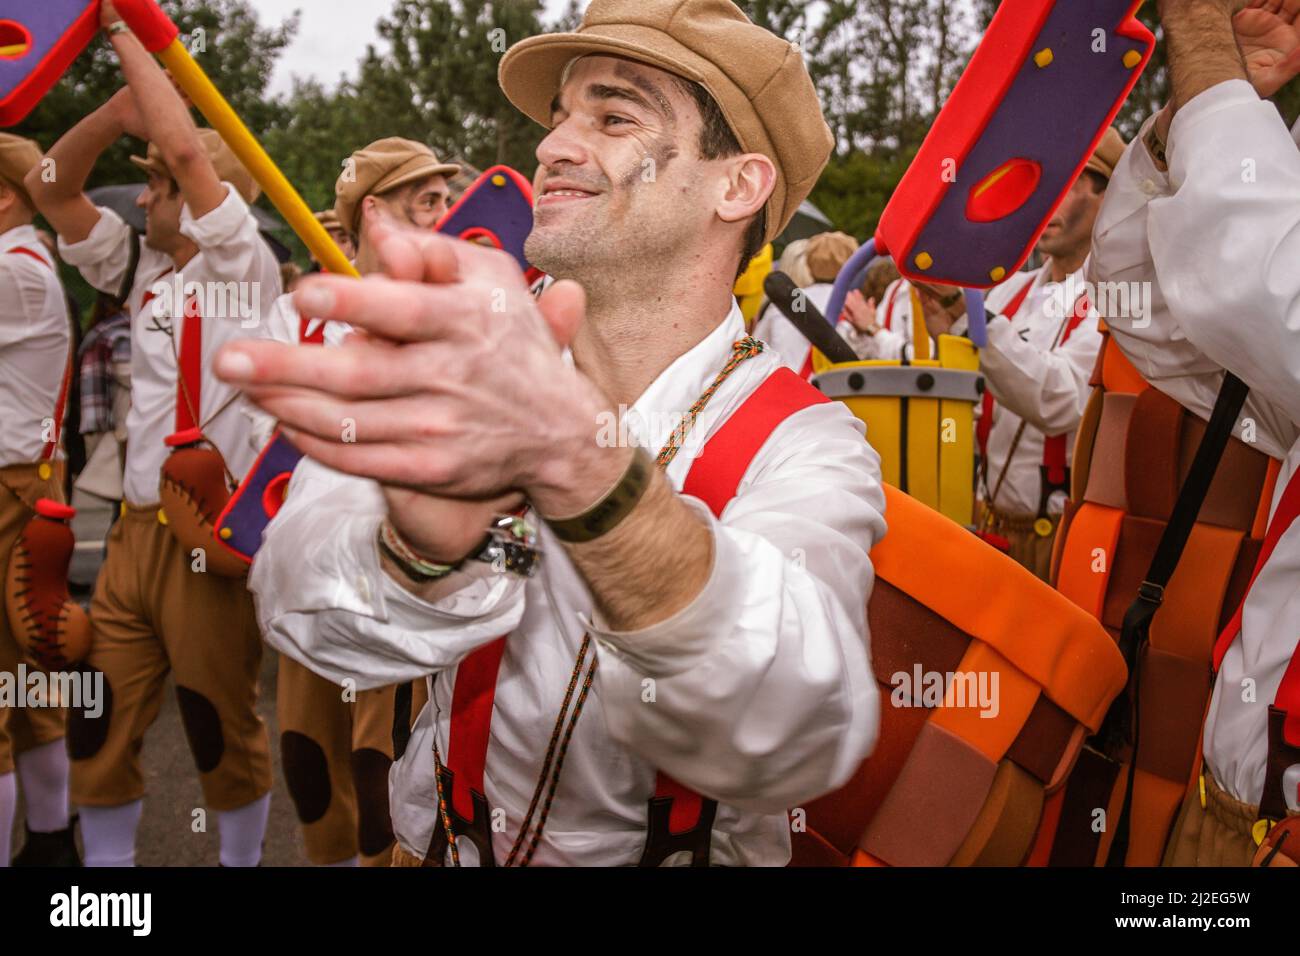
point(332, 36)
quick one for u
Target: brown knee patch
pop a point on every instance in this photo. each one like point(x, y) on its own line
point(202, 728)
point(307, 774)
point(370, 779)
point(86, 735)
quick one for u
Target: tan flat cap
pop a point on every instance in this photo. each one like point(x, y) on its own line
point(329, 219)
point(228, 167)
point(758, 79)
point(382, 166)
point(1106, 156)
point(18, 157)
point(826, 252)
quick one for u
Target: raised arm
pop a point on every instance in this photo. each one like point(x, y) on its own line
point(61, 197)
point(167, 120)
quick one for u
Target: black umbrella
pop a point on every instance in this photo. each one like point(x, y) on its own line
point(121, 199)
point(808, 221)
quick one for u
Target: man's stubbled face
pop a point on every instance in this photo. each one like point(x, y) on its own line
point(622, 179)
point(1069, 231)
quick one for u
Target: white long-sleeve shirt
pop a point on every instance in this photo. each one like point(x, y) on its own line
point(240, 280)
point(35, 336)
point(786, 341)
point(1045, 387)
point(762, 690)
point(1218, 239)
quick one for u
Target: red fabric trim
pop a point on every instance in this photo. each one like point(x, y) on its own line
point(889, 303)
point(471, 722)
point(806, 372)
point(190, 370)
point(316, 337)
point(24, 251)
point(1288, 692)
point(1054, 445)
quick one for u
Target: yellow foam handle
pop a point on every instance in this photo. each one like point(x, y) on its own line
point(191, 78)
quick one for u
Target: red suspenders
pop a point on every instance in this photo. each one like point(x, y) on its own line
point(315, 336)
point(889, 303)
point(678, 818)
point(1053, 445)
point(189, 371)
point(60, 404)
point(1288, 693)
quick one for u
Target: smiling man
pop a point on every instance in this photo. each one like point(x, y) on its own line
point(1042, 346)
point(688, 658)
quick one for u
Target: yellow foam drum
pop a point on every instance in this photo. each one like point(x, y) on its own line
point(194, 489)
point(920, 418)
point(46, 622)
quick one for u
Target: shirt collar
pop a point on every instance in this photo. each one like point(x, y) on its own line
point(661, 407)
point(24, 236)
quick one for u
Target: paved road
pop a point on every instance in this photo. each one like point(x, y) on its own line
point(167, 836)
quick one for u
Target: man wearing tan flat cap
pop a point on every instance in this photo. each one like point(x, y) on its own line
point(336, 747)
point(204, 277)
point(664, 653)
point(342, 238)
point(1042, 346)
point(35, 338)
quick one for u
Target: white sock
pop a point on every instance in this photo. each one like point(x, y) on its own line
point(242, 831)
point(43, 772)
point(108, 833)
point(350, 861)
point(8, 804)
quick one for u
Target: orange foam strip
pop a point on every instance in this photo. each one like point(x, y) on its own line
point(1187, 624)
point(863, 858)
point(1015, 698)
point(1047, 824)
point(1093, 526)
point(1266, 499)
point(1155, 804)
point(990, 597)
point(1118, 373)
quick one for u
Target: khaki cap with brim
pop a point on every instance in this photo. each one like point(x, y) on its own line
point(18, 157)
point(1106, 156)
point(227, 166)
point(757, 78)
point(381, 167)
point(827, 252)
point(329, 219)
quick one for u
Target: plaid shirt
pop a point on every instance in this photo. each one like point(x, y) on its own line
point(105, 346)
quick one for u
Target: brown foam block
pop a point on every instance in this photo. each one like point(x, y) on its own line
point(1106, 466)
point(1138, 538)
point(905, 633)
point(1088, 789)
point(1171, 702)
point(842, 816)
point(934, 802)
point(809, 848)
point(1238, 481)
point(1240, 580)
point(1151, 455)
point(1042, 740)
point(1004, 830)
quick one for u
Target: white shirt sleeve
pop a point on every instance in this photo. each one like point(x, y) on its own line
point(760, 693)
point(1047, 388)
point(1152, 335)
point(228, 237)
point(323, 598)
point(104, 255)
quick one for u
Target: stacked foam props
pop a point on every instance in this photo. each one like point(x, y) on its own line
point(498, 206)
point(1043, 85)
point(989, 688)
point(45, 621)
point(38, 41)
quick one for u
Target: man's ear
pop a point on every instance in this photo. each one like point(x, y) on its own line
point(751, 178)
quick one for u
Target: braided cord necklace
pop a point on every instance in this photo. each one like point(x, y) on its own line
point(548, 778)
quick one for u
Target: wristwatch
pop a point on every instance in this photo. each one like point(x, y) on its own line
point(509, 547)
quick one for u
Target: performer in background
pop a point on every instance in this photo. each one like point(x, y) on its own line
point(336, 744)
point(706, 609)
point(35, 340)
point(156, 607)
point(1204, 207)
point(1043, 344)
